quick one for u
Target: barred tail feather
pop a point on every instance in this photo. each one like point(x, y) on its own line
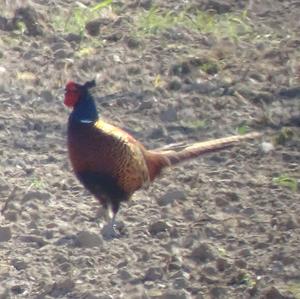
point(199, 148)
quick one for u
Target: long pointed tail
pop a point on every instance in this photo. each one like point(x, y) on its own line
point(161, 158)
point(199, 148)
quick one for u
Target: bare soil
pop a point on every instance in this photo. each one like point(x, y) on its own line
point(226, 225)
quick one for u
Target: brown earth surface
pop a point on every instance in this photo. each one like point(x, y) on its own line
point(226, 225)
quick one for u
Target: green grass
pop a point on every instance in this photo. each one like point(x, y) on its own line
point(37, 183)
point(284, 135)
point(74, 22)
point(231, 25)
point(156, 21)
point(196, 124)
point(243, 129)
point(286, 181)
point(210, 67)
point(247, 280)
point(77, 19)
point(101, 5)
point(294, 288)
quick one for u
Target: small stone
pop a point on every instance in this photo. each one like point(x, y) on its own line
point(90, 295)
point(73, 37)
point(240, 263)
point(93, 27)
point(290, 92)
point(222, 264)
point(244, 252)
point(174, 294)
point(157, 133)
point(209, 270)
point(5, 233)
point(188, 241)
point(291, 223)
point(62, 53)
point(4, 293)
point(233, 196)
point(146, 4)
point(158, 227)
point(174, 266)
point(261, 245)
point(221, 202)
point(65, 267)
point(30, 54)
point(69, 240)
point(218, 293)
point(11, 216)
point(267, 147)
point(19, 264)
point(39, 241)
point(174, 85)
point(114, 37)
point(180, 283)
point(190, 215)
point(18, 289)
point(122, 264)
point(180, 69)
point(203, 253)
point(180, 274)
point(145, 105)
point(48, 234)
point(30, 18)
point(124, 274)
point(40, 195)
point(46, 95)
point(170, 196)
point(2, 69)
point(153, 273)
point(62, 287)
point(221, 7)
point(133, 70)
point(132, 43)
point(87, 239)
point(4, 187)
point(248, 211)
point(272, 293)
point(169, 114)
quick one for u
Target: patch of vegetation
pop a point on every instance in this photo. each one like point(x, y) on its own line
point(222, 251)
point(157, 82)
point(26, 76)
point(294, 288)
point(36, 183)
point(193, 124)
point(284, 135)
point(286, 181)
point(210, 68)
point(101, 5)
point(155, 21)
point(21, 27)
point(85, 51)
point(243, 129)
point(77, 19)
point(246, 279)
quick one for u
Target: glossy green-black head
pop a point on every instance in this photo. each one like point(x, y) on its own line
point(77, 96)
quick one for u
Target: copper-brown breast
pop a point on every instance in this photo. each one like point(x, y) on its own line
point(108, 150)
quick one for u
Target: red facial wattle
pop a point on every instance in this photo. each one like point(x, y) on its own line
point(72, 94)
